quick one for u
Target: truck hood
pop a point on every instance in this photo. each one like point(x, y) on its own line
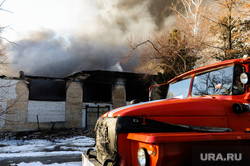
point(172, 107)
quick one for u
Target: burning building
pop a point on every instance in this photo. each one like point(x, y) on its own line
point(75, 101)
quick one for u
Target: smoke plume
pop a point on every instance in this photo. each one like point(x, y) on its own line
point(45, 53)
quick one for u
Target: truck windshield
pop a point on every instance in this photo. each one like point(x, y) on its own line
point(179, 89)
point(223, 81)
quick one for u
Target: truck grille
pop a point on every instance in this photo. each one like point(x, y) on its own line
point(106, 139)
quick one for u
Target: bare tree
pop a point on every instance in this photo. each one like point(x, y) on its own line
point(8, 98)
point(176, 50)
point(190, 16)
point(204, 30)
point(191, 20)
point(229, 22)
point(3, 57)
point(221, 27)
point(166, 51)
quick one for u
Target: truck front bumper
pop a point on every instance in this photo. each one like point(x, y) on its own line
point(88, 161)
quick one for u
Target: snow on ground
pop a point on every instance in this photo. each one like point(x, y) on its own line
point(54, 164)
point(39, 152)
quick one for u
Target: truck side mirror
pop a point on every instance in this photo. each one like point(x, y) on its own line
point(241, 108)
point(150, 90)
point(245, 78)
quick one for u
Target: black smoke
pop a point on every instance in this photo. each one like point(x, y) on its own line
point(131, 11)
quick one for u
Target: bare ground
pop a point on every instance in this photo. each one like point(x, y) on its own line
point(50, 135)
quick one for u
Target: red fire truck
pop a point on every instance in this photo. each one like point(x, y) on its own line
point(205, 119)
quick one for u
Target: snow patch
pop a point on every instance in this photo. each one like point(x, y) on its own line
point(12, 150)
point(54, 164)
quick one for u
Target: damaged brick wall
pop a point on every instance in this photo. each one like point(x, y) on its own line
point(29, 111)
point(16, 110)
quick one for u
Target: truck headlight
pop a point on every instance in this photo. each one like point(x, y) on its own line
point(142, 156)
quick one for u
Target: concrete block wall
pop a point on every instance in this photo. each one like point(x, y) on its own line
point(18, 113)
point(16, 108)
point(21, 114)
point(74, 105)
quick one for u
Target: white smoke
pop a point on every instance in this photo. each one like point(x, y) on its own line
point(116, 67)
point(95, 45)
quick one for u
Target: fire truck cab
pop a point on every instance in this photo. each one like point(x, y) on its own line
point(206, 112)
